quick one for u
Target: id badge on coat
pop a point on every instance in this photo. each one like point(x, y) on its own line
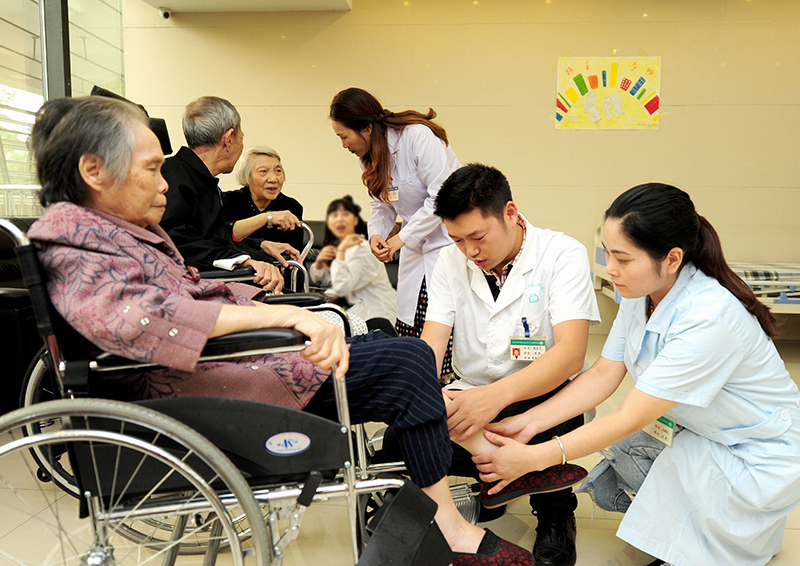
point(393, 194)
point(662, 429)
point(526, 349)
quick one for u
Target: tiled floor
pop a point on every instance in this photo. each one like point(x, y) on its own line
point(324, 537)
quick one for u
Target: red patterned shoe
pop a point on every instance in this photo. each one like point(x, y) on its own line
point(494, 551)
point(555, 478)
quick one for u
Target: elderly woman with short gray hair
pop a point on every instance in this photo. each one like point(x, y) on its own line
point(259, 212)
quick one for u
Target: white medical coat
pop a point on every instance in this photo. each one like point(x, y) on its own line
point(721, 493)
point(420, 164)
point(549, 284)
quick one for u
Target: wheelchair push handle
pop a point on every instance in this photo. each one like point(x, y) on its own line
point(31, 275)
point(309, 244)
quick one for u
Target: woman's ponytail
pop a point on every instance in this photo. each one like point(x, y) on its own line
point(710, 260)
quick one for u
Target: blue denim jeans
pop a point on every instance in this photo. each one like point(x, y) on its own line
point(613, 482)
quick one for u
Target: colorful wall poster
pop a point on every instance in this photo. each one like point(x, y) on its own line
point(608, 93)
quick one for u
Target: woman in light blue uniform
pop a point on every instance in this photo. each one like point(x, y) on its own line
point(698, 346)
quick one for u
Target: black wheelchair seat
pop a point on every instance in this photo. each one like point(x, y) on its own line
point(267, 443)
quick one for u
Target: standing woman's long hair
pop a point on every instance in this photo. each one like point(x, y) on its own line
point(356, 109)
point(658, 217)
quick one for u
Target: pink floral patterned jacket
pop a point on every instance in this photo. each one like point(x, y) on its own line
point(127, 290)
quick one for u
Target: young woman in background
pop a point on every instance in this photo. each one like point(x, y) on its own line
point(347, 265)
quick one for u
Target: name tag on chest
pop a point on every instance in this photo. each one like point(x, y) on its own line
point(393, 194)
point(662, 429)
point(526, 349)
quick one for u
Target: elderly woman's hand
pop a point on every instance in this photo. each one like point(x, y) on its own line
point(285, 220)
point(327, 346)
point(267, 275)
point(277, 249)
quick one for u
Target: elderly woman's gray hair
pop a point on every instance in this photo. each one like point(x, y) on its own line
point(206, 119)
point(248, 159)
point(67, 129)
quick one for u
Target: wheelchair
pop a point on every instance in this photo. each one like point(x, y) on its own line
point(97, 481)
point(295, 269)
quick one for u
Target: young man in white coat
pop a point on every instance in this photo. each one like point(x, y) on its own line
point(519, 301)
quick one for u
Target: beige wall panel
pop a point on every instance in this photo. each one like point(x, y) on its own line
point(516, 64)
point(549, 11)
point(500, 65)
point(754, 224)
point(297, 63)
point(713, 146)
point(728, 127)
point(420, 12)
point(302, 66)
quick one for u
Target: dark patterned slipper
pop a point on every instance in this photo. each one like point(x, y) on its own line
point(494, 551)
point(555, 478)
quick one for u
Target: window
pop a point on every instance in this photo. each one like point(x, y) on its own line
point(96, 58)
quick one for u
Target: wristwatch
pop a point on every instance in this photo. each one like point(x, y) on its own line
point(269, 219)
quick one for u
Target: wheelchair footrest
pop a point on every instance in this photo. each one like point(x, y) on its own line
point(405, 534)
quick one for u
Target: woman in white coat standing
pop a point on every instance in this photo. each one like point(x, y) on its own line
point(406, 158)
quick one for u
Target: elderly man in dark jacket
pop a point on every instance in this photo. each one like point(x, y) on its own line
point(193, 217)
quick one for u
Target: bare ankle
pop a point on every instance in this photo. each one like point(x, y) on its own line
point(462, 536)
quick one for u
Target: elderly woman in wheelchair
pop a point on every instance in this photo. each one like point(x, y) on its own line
point(118, 280)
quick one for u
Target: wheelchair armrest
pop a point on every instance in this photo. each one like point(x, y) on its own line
point(238, 344)
point(245, 273)
point(263, 340)
point(297, 299)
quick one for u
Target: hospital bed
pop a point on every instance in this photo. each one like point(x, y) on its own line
point(777, 285)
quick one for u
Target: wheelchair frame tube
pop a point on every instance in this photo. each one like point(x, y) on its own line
point(343, 410)
point(298, 267)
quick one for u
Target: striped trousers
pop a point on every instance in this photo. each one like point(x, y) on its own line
point(394, 381)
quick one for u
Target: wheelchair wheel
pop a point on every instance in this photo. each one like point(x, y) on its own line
point(38, 386)
point(135, 469)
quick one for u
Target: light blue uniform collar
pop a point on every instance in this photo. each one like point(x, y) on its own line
point(661, 317)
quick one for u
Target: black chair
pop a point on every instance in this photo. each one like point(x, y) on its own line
point(19, 339)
